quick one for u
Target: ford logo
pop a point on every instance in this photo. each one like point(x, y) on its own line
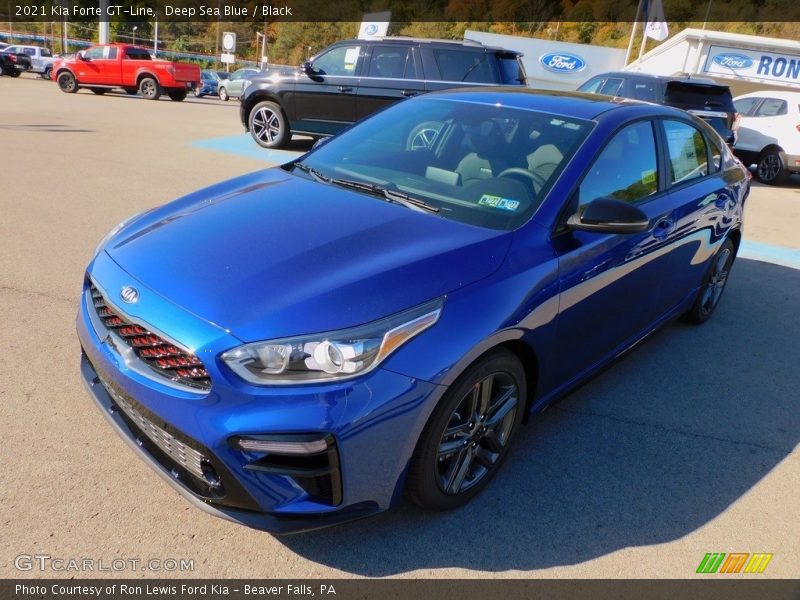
point(562, 62)
point(371, 29)
point(733, 61)
point(129, 294)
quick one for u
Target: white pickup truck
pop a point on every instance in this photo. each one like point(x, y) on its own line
point(42, 59)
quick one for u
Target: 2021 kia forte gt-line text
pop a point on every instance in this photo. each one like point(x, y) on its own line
point(309, 344)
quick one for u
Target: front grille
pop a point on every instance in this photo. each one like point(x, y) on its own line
point(188, 458)
point(160, 355)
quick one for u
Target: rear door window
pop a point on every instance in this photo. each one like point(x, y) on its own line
point(772, 107)
point(392, 62)
point(698, 96)
point(511, 69)
point(644, 90)
point(137, 54)
point(688, 155)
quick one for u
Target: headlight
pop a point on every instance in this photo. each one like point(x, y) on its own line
point(119, 227)
point(330, 356)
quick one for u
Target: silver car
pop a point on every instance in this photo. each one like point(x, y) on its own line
point(234, 87)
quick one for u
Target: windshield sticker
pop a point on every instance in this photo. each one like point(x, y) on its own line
point(499, 202)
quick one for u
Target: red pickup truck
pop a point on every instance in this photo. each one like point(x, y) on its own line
point(131, 68)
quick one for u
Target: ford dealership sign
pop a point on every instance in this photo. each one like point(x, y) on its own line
point(753, 65)
point(733, 61)
point(562, 62)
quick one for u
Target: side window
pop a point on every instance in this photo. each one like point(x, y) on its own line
point(112, 53)
point(745, 105)
point(29, 51)
point(460, 65)
point(47, 53)
point(627, 168)
point(341, 60)
point(389, 62)
point(644, 90)
point(688, 157)
point(591, 86)
point(611, 86)
point(772, 107)
point(94, 53)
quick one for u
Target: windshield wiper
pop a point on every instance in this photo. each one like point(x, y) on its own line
point(388, 193)
point(313, 172)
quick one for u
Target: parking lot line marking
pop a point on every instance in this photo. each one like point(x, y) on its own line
point(779, 255)
point(243, 145)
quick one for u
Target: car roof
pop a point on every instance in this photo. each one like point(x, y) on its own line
point(637, 74)
point(575, 104)
point(398, 39)
point(780, 94)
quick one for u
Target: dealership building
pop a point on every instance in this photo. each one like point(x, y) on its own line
point(746, 63)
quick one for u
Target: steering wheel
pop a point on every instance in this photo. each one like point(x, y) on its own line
point(538, 180)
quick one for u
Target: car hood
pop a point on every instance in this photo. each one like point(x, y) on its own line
point(272, 255)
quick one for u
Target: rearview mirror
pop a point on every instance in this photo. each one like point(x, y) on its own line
point(609, 215)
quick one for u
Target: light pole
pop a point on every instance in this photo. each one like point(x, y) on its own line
point(135, 27)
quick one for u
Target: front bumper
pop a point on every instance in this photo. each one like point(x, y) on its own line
point(374, 421)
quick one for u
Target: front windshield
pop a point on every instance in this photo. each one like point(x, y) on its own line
point(483, 164)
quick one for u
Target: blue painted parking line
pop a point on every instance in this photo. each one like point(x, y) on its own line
point(779, 255)
point(243, 145)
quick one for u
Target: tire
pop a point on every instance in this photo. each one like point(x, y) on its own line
point(771, 167)
point(67, 83)
point(457, 454)
point(713, 285)
point(268, 125)
point(131, 91)
point(177, 94)
point(198, 93)
point(223, 94)
point(149, 88)
point(48, 73)
point(99, 91)
point(15, 73)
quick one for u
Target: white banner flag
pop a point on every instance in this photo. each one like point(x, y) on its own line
point(656, 27)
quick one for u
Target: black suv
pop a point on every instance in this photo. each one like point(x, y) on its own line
point(352, 79)
point(702, 97)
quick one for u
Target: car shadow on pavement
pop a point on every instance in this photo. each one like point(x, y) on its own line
point(654, 448)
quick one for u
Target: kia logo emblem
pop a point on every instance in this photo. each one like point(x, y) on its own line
point(129, 294)
point(562, 62)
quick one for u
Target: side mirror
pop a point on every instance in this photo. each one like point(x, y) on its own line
point(81, 55)
point(609, 215)
point(307, 68)
point(321, 142)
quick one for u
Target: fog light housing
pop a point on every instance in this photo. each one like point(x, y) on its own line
point(280, 446)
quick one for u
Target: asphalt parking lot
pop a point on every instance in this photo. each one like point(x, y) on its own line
point(687, 446)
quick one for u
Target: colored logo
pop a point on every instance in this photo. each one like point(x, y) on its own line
point(733, 61)
point(371, 29)
point(735, 562)
point(562, 62)
point(129, 294)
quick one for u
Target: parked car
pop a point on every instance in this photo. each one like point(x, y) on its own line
point(701, 97)
point(350, 80)
point(101, 68)
point(209, 80)
point(233, 86)
point(769, 134)
point(12, 63)
point(375, 317)
point(42, 59)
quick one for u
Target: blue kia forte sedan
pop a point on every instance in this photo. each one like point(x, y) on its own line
point(309, 344)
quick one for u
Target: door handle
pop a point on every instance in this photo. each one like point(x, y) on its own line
point(663, 228)
point(410, 93)
point(345, 89)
